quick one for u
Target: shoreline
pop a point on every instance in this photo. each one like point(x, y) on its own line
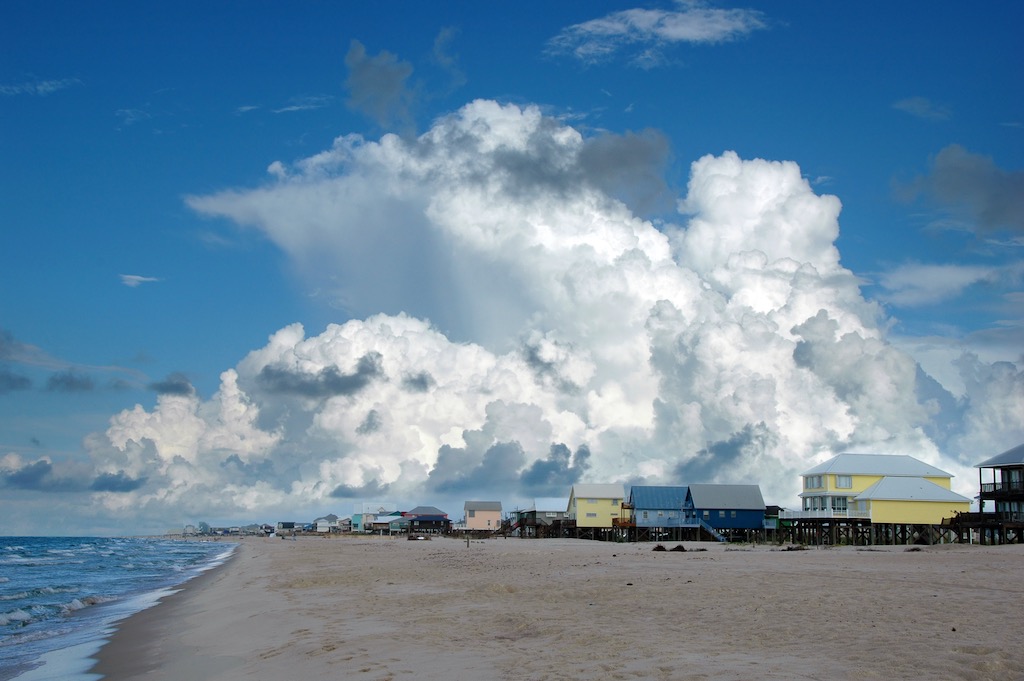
point(380, 608)
point(137, 644)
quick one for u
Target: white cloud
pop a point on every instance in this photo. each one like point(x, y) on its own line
point(134, 280)
point(915, 284)
point(651, 30)
point(518, 329)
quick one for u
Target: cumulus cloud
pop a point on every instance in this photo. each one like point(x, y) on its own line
point(650, 31)
point(520, 328)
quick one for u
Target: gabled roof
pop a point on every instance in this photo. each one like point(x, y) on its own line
point(1011, 457)
point(739, 497)
point(483, 506)
point(909, 489)
point(426, 510)
point(598, 491)
point(877, 464)
point(657, 497)
point(550, 505)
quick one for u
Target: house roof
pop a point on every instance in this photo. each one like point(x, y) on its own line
point(483, 506)
point(598, 491)
point(877, 464)
point(739, 497)
point(426, 510)
point(909, 489)
point(1010, 457)
point(550, 504)
point(657, 497)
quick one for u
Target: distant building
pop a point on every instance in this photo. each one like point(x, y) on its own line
point(483, 515)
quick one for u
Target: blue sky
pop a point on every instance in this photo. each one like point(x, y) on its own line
point(431, 190)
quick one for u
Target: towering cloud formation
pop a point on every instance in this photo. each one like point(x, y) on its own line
point(515, 328)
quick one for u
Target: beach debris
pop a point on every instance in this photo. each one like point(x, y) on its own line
point(659, 547)
point(679, 547)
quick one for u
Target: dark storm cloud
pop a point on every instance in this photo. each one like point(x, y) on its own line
point(463, 470)
point(328, 382)
point(10, 381)
point(174, 384)
point(116, 482)
point(70, 381)
point(41, 477)
point(990, 197)
point(552, 476)
point(377, 87)
point(370, 490)
point(419, 383)
point(713, 462)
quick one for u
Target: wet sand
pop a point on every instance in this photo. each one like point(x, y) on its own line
point(379, 608)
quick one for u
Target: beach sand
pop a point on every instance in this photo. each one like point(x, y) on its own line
point(526, 609)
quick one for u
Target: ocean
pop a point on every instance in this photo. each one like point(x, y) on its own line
point(61, 597)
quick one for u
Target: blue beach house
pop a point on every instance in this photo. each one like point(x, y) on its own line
point(725, 510)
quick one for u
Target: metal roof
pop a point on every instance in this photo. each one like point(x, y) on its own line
point(483, 506)
point(657, 497)
point(1010, 457)
point(909, 489)
point(877, 464)
point(426, 510)
point(598, 491)
point(739, 497)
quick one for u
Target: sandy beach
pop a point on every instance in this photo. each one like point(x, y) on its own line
point(379, 608)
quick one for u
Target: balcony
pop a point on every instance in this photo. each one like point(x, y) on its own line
point(825, 514)
point(1002, 490)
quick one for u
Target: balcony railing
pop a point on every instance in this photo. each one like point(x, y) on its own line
point(826, 513)
point(1013, 487)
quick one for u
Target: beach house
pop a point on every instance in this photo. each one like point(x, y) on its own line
point(725, 511)
point(880, 488)
point(483, 515)
point(656, 511)
point(1004, 491)
point(543, 518)
point(595, 506)
point(428, 520)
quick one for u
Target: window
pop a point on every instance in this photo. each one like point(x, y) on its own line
point(644, 515)
point(812, 482)
point(844, 481)
point(721, 514)
point(661, 514)
point(707, 514)
point(472, 513)
point(550, 514)
point(591, 501)
point(732, 514)
point(591, 515)
point(838, 503)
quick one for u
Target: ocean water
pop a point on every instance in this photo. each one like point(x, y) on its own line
point(61, 597)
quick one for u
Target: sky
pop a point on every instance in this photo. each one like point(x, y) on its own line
point(269, 261)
